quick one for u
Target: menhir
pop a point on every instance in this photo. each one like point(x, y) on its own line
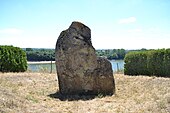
point(79, 70)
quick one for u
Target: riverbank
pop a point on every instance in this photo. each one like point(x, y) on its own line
point(36, 92)
point(117, 66)
point(40, 62)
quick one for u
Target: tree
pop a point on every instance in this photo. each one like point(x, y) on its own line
point(29, 49)
point(114, 56)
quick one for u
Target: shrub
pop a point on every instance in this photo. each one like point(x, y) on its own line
point(153, 62)
point(167, 62)
point(156, 62)
point(136, 63)
point(12, 59)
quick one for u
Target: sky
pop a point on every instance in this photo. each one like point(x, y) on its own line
point(114, 24)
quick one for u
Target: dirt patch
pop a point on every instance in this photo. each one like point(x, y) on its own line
point(37, 92)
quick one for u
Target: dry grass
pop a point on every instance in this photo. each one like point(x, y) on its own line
point(35, 93)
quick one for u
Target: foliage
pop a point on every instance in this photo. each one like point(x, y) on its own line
point(152, 62)
point(12, 59)
point(49, 54)
point(40, 54)
point(110, 54)
point(36, 54)
point(29, 49)
point(136, 63)
point(156, 62)
point(167, 62)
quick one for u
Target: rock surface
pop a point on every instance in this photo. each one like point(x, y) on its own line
point(78, 68)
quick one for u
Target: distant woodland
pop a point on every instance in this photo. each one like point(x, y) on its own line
point(36, 54)
point(39, 54)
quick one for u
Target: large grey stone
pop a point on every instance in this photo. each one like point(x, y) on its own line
point(78, 68)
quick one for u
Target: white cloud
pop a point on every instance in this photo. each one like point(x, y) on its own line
point(11, 31)
point(127, 20)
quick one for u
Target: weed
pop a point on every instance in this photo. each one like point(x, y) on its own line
point(100, 95)
point(31, 98)
point(161, 104)
point(44, 69)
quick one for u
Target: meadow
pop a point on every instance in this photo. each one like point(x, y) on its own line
point(37, 93)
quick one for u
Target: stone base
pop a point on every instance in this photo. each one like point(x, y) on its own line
point(90, 86)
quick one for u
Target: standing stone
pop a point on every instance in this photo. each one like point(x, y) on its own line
point(79, 70)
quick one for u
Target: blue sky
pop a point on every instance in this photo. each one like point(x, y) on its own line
point(128, 24)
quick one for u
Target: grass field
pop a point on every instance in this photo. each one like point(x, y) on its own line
point(36, 93)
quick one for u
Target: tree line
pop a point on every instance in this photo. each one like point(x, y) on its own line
point(39, 54)
point(35, 54)
point(116, 54)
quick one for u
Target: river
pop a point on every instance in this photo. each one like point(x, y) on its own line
point(46, 67)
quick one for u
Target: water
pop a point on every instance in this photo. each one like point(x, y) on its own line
point(117, 65)
point(46, 67)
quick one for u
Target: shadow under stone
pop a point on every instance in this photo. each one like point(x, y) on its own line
point(62, 97)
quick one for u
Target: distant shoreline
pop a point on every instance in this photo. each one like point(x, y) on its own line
point(40, 62)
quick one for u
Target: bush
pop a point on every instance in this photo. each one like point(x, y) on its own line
point(167, 62)
point(153, 62)
point(156, 62)
point(12, 59)
point(136, 63)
